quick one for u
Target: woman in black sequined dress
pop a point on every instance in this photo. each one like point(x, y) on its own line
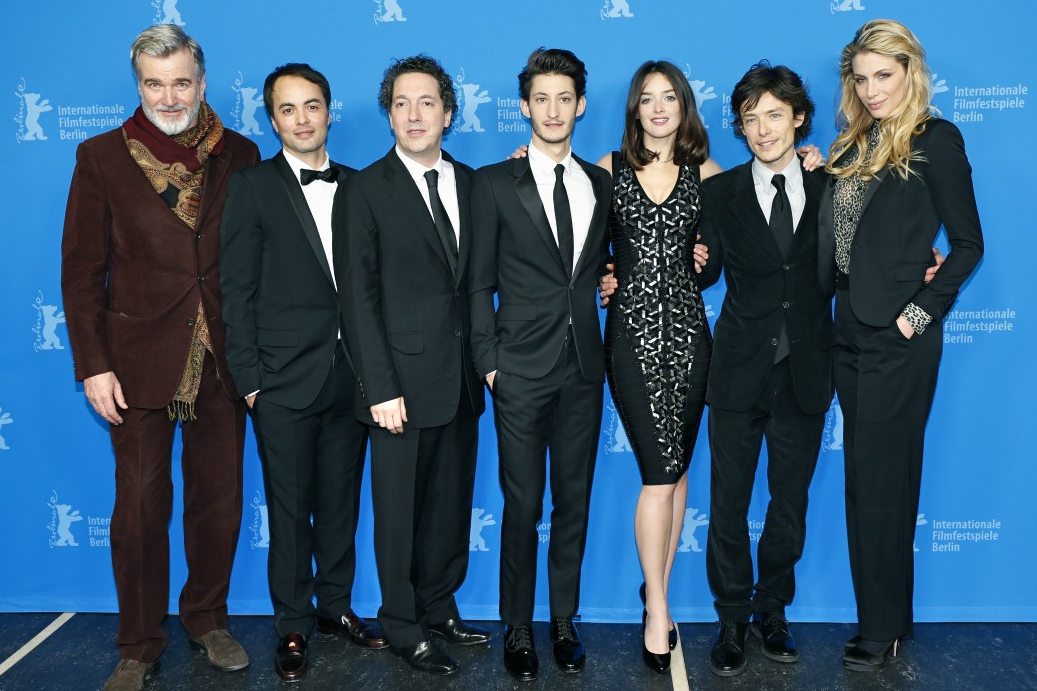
point(657, 339)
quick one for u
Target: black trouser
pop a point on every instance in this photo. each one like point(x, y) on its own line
point(421, 483)
point(793, 442)
point(885, 384)
point(313, 465)
point(560, 411)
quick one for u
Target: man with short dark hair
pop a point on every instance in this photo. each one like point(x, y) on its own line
point(140, 282)
point(286, 351)
point(539, 245)
point(770, 375)
point(401, 262)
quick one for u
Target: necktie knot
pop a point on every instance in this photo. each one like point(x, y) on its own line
point(779, 182)
point(306, 176)
point(432, 178)
point(559, 172)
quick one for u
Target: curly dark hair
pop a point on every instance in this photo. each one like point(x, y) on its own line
point(784, 84)
point(553, 61)
point(425, 65)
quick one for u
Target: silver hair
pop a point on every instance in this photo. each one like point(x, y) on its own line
point(161, 41)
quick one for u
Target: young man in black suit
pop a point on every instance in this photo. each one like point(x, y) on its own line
point(539, 244)
point(402, 266)
point(771, 371)
point(286, 352)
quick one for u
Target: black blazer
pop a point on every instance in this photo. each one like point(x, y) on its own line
point(514, 254)
point(765, 291)
point(893, 244)
point(407, 312)
point(279, 301)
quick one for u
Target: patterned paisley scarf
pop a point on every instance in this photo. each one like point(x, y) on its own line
point(175, 167)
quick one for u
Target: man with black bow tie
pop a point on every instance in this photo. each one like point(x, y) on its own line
point(286, 349)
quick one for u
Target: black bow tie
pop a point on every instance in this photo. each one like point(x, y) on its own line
point(327, 175)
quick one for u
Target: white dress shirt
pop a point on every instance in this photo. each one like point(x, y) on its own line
point(320, 197)
point(577, 186)
point(447, 185)
point(765, 190)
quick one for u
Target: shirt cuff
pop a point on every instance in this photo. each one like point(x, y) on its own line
point(916, 317)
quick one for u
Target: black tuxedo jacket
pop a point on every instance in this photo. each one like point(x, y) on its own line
point(765, 291)
point(279, 301)
point(893, 244)
point(514, 254)
point(407, 312)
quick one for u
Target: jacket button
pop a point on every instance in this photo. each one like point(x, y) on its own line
point(190, 322)
point(774, 341)
point(197, 236)
point(457, 333)
point(785, 267)
point(201, 279)
point(785, 305)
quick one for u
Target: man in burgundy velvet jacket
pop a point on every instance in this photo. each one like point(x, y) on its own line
point(142, 302)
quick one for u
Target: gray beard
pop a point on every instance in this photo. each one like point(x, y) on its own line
point(173, 127)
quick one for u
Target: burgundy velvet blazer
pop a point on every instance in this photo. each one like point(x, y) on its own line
point(132, 272)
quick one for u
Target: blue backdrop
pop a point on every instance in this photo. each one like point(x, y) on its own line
point(68, 78)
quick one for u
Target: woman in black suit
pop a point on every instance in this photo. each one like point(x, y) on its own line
point(899, 174)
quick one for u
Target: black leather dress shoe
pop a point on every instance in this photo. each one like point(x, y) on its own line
point(520, 656)
point(852, 643)
point(426, 657)
point(776, 641)
point(869, 656)
point(570, 655)
point(460, 632)
point(290, 660)
point(727, 658)
point(355, 630)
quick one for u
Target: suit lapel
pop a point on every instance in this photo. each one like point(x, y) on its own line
point(811, 193)
point(463, 182)
point(217, 168)
point(873, 187)
point(594, 239)
point(526, 188)
point(402, 189)
point(302, 211)
point(746, 207)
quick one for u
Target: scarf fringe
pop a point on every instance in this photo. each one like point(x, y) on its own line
point(181, 410)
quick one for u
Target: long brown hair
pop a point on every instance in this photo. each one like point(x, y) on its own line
point(692, 145)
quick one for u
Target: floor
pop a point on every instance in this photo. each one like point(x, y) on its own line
point(80, 654)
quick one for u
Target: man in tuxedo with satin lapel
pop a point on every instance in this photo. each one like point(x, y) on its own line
point(286, 349)
point(402, 266)
point(540, 239)
point(771, 371)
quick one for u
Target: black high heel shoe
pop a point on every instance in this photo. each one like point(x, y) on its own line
point(869, 656)
point(673, 630)
point(658, 663)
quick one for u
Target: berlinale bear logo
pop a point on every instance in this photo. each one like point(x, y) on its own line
point(480, 519)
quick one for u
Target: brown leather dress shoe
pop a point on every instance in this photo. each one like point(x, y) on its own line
point(224, 653)
point(354, 629)
point(129, 675)
point(290, 660)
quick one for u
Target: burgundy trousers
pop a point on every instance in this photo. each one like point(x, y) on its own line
point(211, 464)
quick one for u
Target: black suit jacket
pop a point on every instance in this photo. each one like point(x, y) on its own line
point(893, 244)
point(765, 291)
point(279, 301)
point(514, 254)
point(407, 311)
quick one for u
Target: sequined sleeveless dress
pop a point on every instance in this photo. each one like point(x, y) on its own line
point(657, 340)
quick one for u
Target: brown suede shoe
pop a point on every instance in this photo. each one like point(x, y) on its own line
point(224, 653)
point(129, 675)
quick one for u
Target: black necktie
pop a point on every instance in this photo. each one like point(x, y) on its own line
point(307, 176)
point(563, 220)
point(781, 215)
point(781, 226)
point(442, 220)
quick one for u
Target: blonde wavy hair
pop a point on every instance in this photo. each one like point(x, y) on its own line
point(891, 39)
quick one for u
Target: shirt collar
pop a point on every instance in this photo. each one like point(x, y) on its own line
point(544, 165)
point(793, 173)
point(418, 170)
point(296, 165)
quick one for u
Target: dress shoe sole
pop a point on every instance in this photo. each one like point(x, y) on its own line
point(754, 629)
point(201, 648)
point(522, 677)
point(443, 637)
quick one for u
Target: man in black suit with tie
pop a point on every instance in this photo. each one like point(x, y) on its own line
point(539, 244)
point(286, 352)
point(402, 266)
point(771, 371)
